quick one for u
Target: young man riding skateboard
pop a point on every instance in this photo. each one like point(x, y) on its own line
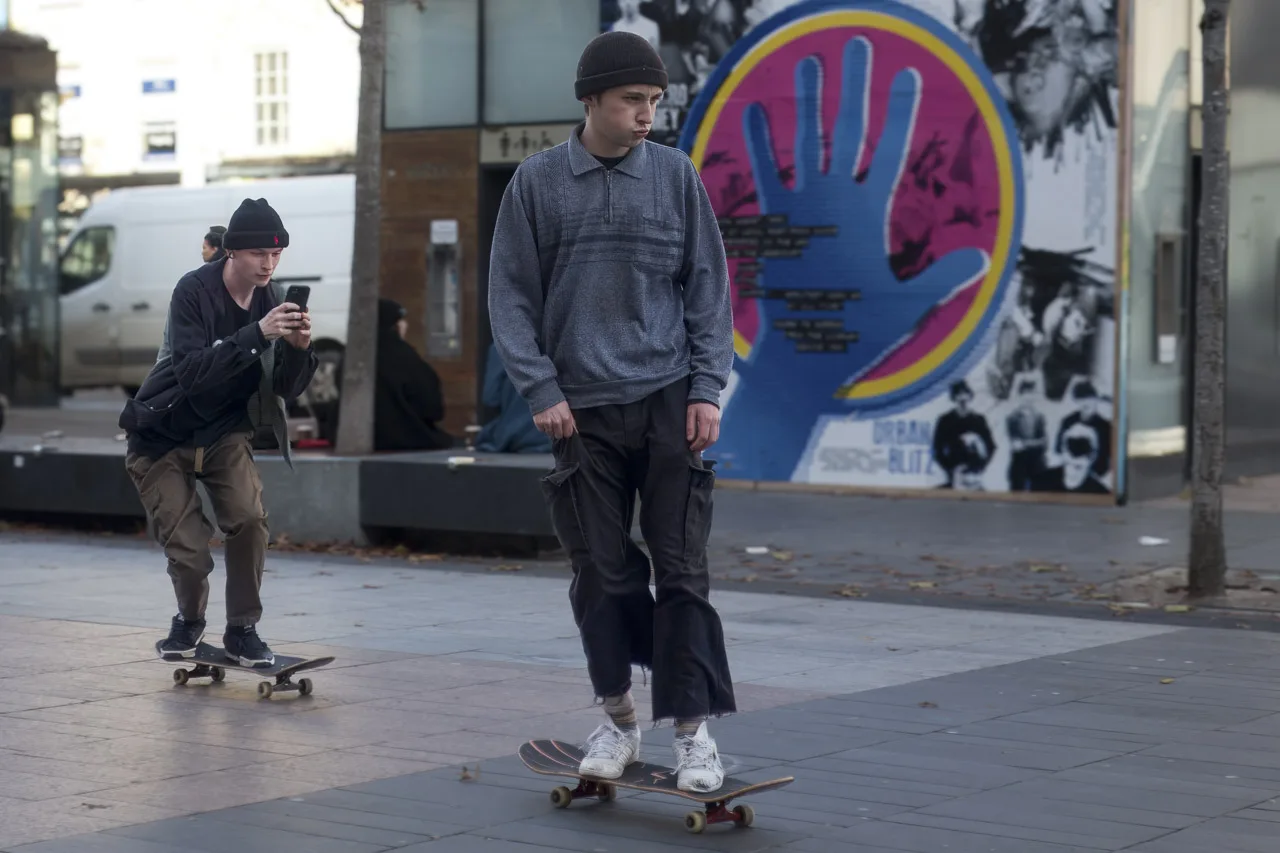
point(610, 306)
point(230, 354)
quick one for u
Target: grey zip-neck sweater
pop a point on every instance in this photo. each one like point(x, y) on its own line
point(606, 285)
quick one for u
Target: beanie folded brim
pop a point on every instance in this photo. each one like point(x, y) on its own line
point(622, 77)
point(255, 239)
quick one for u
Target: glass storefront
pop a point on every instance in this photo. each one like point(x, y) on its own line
point(28, 222)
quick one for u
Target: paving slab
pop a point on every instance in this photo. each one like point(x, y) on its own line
point(903, 731)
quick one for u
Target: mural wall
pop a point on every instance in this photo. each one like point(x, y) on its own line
point(919, 203)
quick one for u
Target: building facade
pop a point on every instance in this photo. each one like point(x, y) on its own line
point(183, 91)
point(927, 297)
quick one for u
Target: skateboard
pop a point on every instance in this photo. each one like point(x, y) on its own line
point(553, 758)
point(212, 662)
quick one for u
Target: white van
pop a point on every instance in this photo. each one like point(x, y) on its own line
point(130, 248)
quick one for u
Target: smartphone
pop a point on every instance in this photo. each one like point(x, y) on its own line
point(298, 294)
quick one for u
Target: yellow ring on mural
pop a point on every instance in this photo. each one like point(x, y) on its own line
point(818, 22)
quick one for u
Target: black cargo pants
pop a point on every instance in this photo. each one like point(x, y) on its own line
point(617, 452)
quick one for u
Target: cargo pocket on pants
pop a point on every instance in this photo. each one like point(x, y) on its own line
point(697, 519)
point(557, 488)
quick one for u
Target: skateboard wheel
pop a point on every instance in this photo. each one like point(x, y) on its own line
point(745, 815)
point(607, 793)
point(219, 674)
point(695, 822)
point(304, 686)
point(180, 676)
point(264, 689)
point(561, 797)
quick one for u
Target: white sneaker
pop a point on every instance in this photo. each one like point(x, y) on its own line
point(698, 766)
point(609, 750)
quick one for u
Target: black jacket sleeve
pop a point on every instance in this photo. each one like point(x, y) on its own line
point(294, 369)
point(199, 367)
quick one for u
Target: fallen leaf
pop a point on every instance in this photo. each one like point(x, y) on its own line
point(928, 705)
point(1043, 567)
point(922, 584)
point(1166, 681)
point(781, 556)
point(749, 579)
point(1177, 608)
point(372, 586)
point(505, 568)
point(850, 592)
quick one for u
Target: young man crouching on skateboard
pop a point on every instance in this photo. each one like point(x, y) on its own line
point(609, 299)
point(230, 354)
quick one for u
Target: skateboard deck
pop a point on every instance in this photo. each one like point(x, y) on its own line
point(212, 662)
point(554, 758)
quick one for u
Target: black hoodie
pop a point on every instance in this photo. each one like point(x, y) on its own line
point(211, 365)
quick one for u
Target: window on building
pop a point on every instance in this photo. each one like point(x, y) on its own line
point(432, 57)
point(271, 97)
point(87, 259)
point(159, 139)
point(531, 60)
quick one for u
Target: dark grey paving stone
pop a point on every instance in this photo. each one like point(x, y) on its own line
point(936, 718)
point(981, 773)
point(1166, 712)
point(782, 745)
point(957, 778)
point(470, 801)
point(1146, 795)
point(850, 788)
point(1222, 835)
point(992, 751)
point(100, 843)
point(1105, 718)
point(476, 844)
point(1021, 833)
point(659, 824)
point(351, 817)
point(307, 827)
point(1003, 731)
point(925, 839)
point(1264, 778)
point(902, 792)
point(847, 736)
point(212, 836)
point(444, 815)
point(1217, 754)
point(1259, 814)
point(1116, 827)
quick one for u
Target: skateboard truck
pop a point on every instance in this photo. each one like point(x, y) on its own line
point(284, 684)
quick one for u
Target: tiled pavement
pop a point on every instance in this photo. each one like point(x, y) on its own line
point(907, 728)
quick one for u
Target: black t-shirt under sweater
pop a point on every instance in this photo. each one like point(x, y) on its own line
point(187, 428)
point(610, 162)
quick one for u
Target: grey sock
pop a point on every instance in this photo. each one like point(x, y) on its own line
point(622, 711)
point(689, 728)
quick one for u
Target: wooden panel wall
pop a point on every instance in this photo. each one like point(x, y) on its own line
point(426, 175)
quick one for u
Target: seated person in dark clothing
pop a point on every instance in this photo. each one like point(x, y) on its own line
point(408, 402)
point(512, 429)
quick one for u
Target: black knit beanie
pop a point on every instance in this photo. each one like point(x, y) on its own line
point(618, 59)
point(255, 225)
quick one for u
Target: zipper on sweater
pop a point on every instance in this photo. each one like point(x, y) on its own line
point(608, 181)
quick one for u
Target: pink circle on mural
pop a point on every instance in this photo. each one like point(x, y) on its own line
point(951, 151)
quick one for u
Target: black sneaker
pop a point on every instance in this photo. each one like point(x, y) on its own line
point(183, 638)
point(246, 647)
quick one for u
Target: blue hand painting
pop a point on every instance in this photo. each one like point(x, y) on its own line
point(767, 429)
